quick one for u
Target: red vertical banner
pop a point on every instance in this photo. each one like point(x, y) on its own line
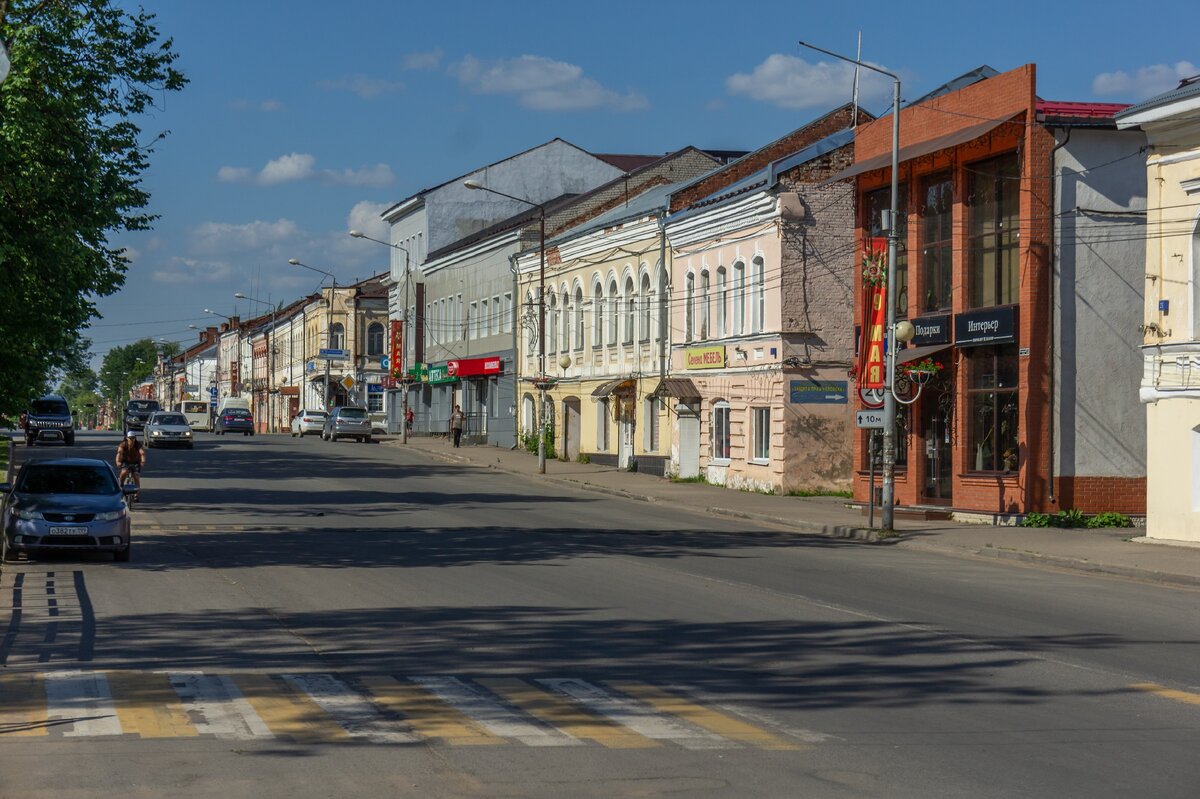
point(397, 349)
point(871, 367)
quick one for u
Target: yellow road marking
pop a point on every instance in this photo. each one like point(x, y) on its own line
point(22, 705)
point(146, 704)
point(724, 725)
point(428, 715)
point(1167, 693)
point(566, 715)
point(288, 712)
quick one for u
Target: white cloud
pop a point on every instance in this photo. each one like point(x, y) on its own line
point(235, 174)
point(791, 82)
point(1143, 83)
point(190, 271)
point(543, 84)
point(365, 87)
point(429, 60)
point(302, 166)
point(265, 106)
point(287, 169)
point(364, 216)
point(378, 175)
point(211, 238)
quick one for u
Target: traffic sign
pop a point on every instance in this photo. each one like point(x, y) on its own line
point(333, 355)
point(348, 382)
point(384, 362)
point(212, 391)
point(869, 420)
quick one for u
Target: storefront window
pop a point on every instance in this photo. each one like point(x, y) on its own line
point(761, 423)
point(937, 234)
point(993, 204)
point(877, 202)
point(375, 401)
point(720, 431)
point(992, 407)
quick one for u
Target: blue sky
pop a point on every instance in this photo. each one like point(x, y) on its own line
point(304, 119)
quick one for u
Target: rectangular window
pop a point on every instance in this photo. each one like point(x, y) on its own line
point(877, 202)
point(495, 323)
point(758, 301)
point(653, 405)
point(760, 423)
point(937, 246)
point(689, 306)
point(473, 321)
point(375, 401)
point(602, 425)
point(993, 203)
point(720, 432)
point(722, 303)
point(705, 305)
point(507, 309)
point(739, 299)
point(993, 417)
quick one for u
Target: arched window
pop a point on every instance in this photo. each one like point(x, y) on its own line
point(566, 321)
point(722, 303)
point(758, 297)
point(689, 300)
point(375, 339)
point(614, 306)
point(704, 305)
point(597, 315)
point(337, 336)
point(663, 317)
point(551, 321)
point(630, 310)
point(739, 298)
point(531, 347)
point(644, 326)
point(578, 317)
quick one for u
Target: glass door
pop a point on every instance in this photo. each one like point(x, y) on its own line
point(938, 431)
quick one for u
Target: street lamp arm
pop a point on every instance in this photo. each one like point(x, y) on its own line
point(862, 64)
point(477, 186)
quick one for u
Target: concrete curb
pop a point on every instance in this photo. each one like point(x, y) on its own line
point(842, 531)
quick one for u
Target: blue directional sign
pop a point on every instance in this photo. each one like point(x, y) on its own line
point(212, 391)
point(333, 355)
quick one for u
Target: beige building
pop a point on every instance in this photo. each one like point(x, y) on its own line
point(1171, 373)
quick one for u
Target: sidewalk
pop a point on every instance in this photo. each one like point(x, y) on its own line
point(1112, 552)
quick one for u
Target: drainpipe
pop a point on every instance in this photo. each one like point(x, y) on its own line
point(1050, 455)
point(516, 303)
point(664, 325)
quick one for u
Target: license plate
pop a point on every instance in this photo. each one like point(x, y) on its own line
point(68, 531)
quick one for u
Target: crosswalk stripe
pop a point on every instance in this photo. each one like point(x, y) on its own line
point(491, 714)
point(82, 700)
point(637, 716)
point(565, 715)
point(724, 725)
point(428, 715)
point(349, 709)
point(22, 705)
point(147, 705)
point(217, 707)
point(288, 712)
point(1168, 693)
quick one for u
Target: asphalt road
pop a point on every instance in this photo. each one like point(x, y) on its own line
point(306, 619)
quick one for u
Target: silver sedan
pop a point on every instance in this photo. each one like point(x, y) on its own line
point(308, 421)
point(168, 429)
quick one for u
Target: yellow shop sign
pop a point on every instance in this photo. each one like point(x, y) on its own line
point(706, 358)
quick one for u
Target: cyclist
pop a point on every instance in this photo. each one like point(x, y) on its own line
point(131, 457)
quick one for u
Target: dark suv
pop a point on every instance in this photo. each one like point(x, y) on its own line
point(49, 419)
point(137, 413)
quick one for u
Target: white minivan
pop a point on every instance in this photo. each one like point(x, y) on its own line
point(196, 413)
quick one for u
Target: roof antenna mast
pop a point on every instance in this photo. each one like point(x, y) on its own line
point(854, 99)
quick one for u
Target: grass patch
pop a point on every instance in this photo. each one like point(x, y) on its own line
point(820, 492)
point(697, 479)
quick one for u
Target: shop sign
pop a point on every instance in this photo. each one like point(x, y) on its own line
point(470, 367)
point(706, 358)
point(931, 330)
point(438, 373)
point(989, 326)
point(397, 347)
point(819, 392)
point(374, 388)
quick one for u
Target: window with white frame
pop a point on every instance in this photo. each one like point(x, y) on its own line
point(497, 323)
point(689, 306)
point(758, 297)
point(664, 316)
point(760, 441)
point(722, 302)
point(614, 312)
point(375, 401)
point(630, 310)
point(486, 320)
point(565, 344)
point(375, 339)
point(597, 315)
point(739, 298)
point(578, 318)
point(720, 432)
point(704, 305)
point(506, 309)
point(653, 410)
point(551, 316)
point(473, 320)
point(531, 330)
point(337, 336)
point(602, 425)
point(644, 299)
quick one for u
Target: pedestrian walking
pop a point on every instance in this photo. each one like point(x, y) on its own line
point(457, 418)
point(408, 419)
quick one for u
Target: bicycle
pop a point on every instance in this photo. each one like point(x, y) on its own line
point(129, 481)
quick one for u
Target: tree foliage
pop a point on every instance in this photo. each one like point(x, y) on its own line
point(125, 367)
point(71, 161)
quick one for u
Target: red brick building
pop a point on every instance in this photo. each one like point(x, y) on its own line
point(995, 430)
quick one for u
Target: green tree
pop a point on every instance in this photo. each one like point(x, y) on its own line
point(125, 367)
point(71, 161)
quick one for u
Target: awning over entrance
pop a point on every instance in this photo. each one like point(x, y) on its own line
point(611, 387)
point(918, 353)
point(678, 388)
point(917, 149)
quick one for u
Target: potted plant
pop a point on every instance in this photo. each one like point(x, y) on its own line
point(921, 372)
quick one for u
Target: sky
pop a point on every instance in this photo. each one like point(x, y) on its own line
point(304, 119)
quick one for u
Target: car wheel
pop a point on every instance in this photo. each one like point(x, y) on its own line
point(70, 441)
point(333, 437)
point(122, 555)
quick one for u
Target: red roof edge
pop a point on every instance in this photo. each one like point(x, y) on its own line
point(1064, 108)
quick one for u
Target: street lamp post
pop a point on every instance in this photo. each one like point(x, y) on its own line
point(358, 234)
point(271, 353)
point(329, 322)
point(888, 500)
point(541, 377)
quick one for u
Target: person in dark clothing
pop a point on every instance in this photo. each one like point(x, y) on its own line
point(457, 418)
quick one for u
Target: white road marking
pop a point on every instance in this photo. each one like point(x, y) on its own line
point(636, 716)
point(491, 714)
point(216, 706)
point(82, 698)
point(350, 709)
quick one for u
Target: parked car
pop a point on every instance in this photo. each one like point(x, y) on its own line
point(347, 422)
point(168, 429)
point(65, 504)
point(308, 421)
point(234, 420)
point(48, 419)
point(137, 413)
